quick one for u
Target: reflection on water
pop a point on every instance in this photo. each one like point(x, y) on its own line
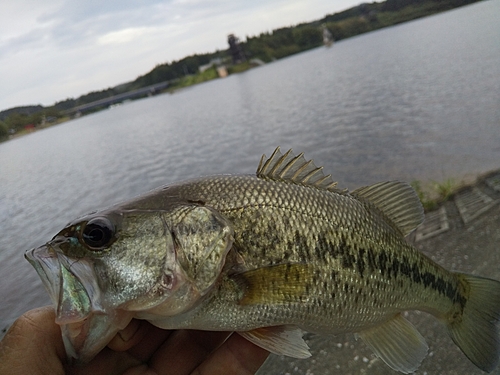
point(416, 101)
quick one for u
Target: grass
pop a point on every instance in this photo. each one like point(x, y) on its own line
point(207, 75)
point(411, 12)
point(437, 193)
point(22, 132)
point(190, 80)
point(238, 68)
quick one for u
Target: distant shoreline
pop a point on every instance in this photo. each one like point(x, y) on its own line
point(267, 47)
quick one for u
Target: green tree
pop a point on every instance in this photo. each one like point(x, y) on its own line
point(256, 47)
point(52, 112)
point(394, 5)
point(4, 131)
point(308, 37)
point(17, 121)
point(65, 104)
point(35, 118)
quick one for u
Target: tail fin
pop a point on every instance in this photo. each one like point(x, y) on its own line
point(476, 332)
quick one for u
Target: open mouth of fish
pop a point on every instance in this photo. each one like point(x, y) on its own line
point(86, 325)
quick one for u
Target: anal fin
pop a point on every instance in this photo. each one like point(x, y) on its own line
point(285, 340)
point(398, 343)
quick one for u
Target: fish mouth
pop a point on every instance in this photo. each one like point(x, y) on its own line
point(86, 325)
point(46, 264)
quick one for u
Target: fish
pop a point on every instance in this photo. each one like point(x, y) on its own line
point(269, 256)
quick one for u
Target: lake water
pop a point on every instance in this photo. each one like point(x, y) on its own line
point(417, 101)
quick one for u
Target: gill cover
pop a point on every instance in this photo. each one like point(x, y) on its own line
point(202, 238)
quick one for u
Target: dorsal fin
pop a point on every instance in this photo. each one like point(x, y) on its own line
point(295, 169)
point(397, 200)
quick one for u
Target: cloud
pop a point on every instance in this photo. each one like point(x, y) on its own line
point(19, 17)
point(54, 49)
point(125, 35)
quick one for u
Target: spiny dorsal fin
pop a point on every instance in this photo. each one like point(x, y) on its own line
point(397, 200)
point(295, 169)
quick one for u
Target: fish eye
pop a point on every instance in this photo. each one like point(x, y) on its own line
point(98, 233)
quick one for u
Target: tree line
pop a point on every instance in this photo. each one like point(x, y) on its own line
point(16, 119)
point(267, 46)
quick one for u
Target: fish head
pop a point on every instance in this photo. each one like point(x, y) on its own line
point(104, 269)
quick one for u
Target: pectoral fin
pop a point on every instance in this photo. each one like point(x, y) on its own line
point(285, 340)
point(397, 343)
point(283, 283)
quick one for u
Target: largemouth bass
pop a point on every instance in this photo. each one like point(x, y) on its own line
point(267, 256)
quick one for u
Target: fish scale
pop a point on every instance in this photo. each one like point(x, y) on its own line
point(330, 237)
point(267, 256)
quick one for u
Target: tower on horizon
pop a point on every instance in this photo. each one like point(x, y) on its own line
point(236, 51)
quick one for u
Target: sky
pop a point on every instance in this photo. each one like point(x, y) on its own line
point(51, 50)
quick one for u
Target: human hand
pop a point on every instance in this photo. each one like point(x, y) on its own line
point(33, 345)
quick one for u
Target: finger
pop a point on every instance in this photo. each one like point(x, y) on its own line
point(129, 336)
point(127, 351)
point(107, 362)
point(237, 356)
point(140, 370)
point(33, 345)
point(185, 350)
point(152, 339)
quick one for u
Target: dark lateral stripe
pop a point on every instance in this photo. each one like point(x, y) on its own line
point(362, 259)
point(394, 268)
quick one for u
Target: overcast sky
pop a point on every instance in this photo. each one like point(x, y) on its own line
point(51, 50)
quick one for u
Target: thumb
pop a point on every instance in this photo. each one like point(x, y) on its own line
point(33, 345)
